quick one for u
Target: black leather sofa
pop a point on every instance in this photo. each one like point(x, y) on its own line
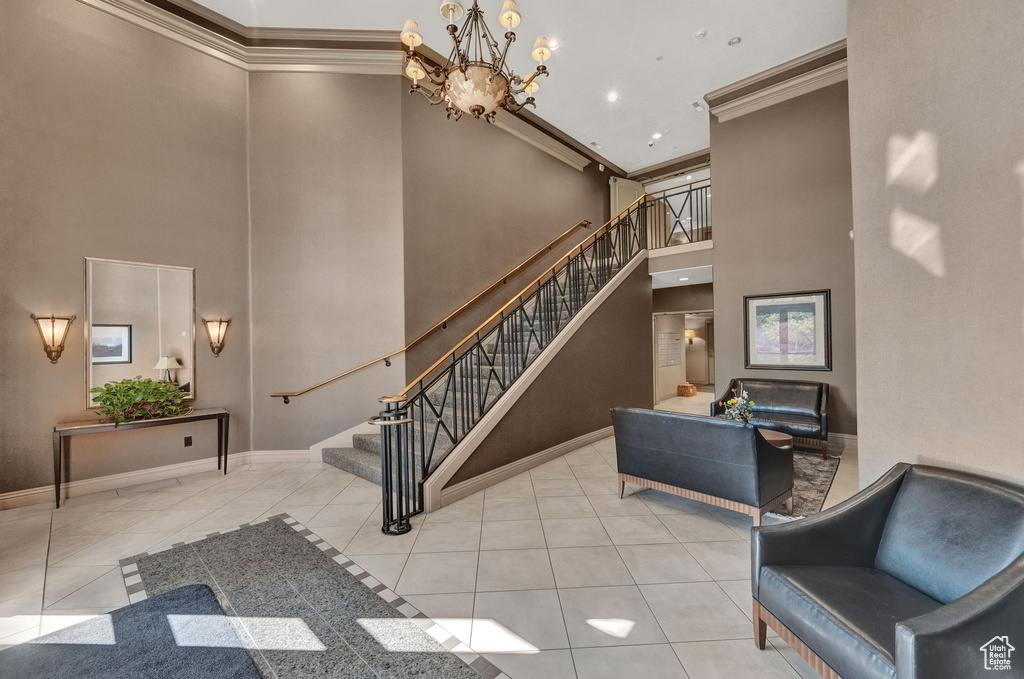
point(720, 462)
point(794, 407)
point(912, 578)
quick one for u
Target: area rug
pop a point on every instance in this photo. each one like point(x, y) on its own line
point(304, 609)
point(812, 479)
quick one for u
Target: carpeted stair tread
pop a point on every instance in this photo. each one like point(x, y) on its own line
point(362, 463)
point(368, 442)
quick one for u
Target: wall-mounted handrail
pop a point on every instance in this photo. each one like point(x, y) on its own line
point(536, 282)
point(443, 323)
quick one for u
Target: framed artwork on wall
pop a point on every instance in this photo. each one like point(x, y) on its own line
point(788, 331)
point(111, 343)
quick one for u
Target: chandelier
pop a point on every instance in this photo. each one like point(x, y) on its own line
point(475, 80)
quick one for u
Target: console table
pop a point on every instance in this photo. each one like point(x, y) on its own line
point(66, 429)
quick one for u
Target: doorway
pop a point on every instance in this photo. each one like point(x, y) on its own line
point(684, 357)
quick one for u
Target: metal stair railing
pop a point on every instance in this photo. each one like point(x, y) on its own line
point(422, 425)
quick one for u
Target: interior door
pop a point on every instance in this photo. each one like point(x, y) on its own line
point(624, 193)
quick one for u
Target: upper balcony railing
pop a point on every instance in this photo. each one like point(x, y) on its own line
point(679, 215)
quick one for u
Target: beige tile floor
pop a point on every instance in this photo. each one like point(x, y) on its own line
point(548, 574)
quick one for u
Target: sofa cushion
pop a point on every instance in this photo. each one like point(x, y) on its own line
point(847, 615)
point(783, 396)
point(804, 426)
point(948, 533)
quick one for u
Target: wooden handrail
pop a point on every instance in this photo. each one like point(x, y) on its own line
point(515, 300)
point(443, 323)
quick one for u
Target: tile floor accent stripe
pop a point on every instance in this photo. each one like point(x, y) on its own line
point(137, 591)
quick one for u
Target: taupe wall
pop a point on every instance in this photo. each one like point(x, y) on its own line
point(685, 298)
point(951, 73)
point(121, 144)
point(478, 202)
point(327, 286)
point(606, 363)
point(783, 212)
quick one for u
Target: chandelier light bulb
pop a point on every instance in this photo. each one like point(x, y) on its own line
point(411, 34)
point(452, 10)
point(541, 50)
point(612, 96)
point(509, 17)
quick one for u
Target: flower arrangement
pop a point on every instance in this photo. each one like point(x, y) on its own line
point(138, 398)
point(738, 407)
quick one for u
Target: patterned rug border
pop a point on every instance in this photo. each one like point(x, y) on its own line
point(137, 591)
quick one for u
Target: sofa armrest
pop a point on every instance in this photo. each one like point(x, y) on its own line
point(949, 641)
point(716, 409)
point(845, 535)
point(774, 468)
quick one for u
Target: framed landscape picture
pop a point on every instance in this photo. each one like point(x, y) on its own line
point(790, 331)
point(110, 343)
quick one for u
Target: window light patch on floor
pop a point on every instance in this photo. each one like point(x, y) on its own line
point(268, 634)
point(97, 630)
point(399, 635)
point(613, 627)
point(490, 636)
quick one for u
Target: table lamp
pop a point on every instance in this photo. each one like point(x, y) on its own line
point(167, 364)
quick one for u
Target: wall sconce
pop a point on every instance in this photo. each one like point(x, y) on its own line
point(53, 330)
point(167, 364)
point(689, 335)
point(216, 330)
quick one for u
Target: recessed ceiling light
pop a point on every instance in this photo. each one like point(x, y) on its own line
point(656, 135)
point(553, 43)
point(702, 33)
point(659, 58)
point(612, 96)
point(684, 279)
point(735, 41)
point(689, 176)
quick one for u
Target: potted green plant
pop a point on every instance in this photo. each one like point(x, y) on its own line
point(139, 399)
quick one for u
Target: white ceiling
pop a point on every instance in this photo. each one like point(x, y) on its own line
point(606, 45)
point(680, 277)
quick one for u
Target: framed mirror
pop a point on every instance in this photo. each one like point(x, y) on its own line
point(140, 321)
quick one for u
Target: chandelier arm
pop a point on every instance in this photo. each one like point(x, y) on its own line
point(463, 42)
point(492, 44)
point(510, 38)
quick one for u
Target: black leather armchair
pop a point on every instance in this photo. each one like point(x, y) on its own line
point(911, 578)
point(794, 407)
point(720, 462)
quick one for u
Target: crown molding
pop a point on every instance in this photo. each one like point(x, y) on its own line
point(523, 130)
point(332, 53)
point(812, 71)
point(691, 162)
point(294, 50)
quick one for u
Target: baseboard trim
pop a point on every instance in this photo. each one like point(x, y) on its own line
point(477, 483)
point(845, 440)
point(433, 485)
point(43, 494)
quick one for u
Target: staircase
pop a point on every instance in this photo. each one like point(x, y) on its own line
point(423, 424)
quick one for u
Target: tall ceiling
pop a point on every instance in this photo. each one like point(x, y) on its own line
point(646, 51)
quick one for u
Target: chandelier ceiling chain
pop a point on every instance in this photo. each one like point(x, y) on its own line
point(476, 78)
